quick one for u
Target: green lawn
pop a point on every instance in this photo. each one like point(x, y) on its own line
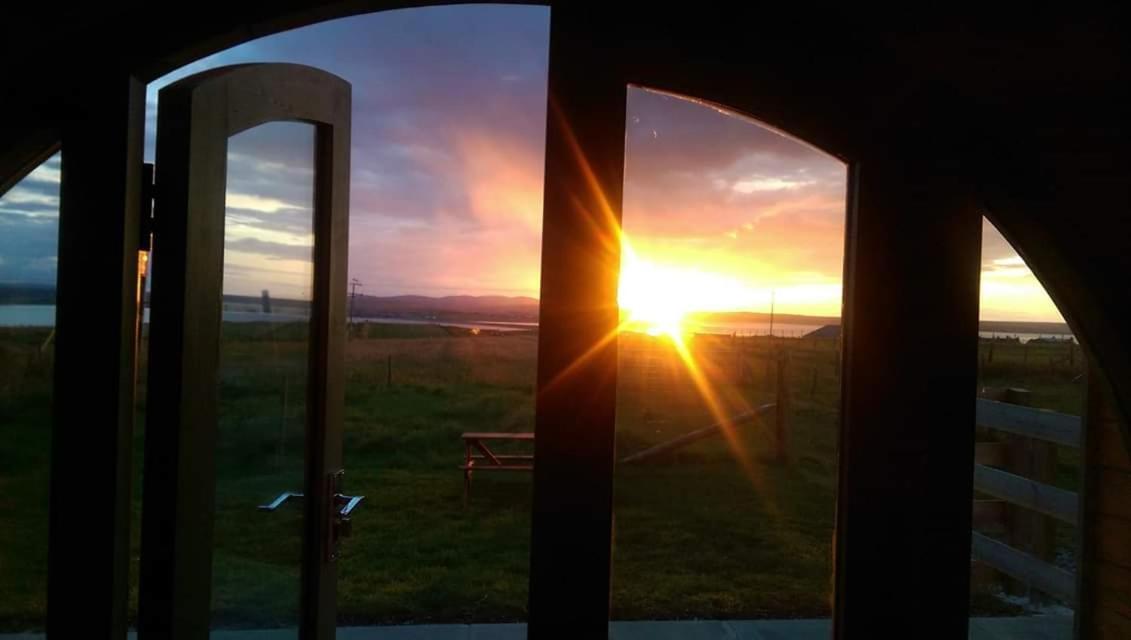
point(697, 534)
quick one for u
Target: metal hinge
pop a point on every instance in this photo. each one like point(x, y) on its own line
point(148, 191)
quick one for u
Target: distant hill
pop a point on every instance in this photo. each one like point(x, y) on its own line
point(707, 317)
point(503, 308)
point(1001, 326)
point(22, 293)
point(513, 309)
point(832, 330)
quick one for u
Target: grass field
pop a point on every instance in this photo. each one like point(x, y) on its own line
point(697, 534)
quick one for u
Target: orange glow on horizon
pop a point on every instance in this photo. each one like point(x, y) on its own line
point(659, 292)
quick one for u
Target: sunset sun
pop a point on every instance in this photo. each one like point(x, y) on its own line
point(656, 298)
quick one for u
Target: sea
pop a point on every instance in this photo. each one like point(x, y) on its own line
point(31, 315)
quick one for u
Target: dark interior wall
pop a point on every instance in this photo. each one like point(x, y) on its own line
point(1029, 110)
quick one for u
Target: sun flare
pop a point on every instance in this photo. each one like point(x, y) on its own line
point(647, 298)
point(658, 298)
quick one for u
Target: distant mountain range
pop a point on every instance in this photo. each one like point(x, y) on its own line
point(454, 308)
point(736, 317)
point(504, 309)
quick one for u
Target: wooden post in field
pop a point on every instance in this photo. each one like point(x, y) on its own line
point(781, 413)
point(737, 357)
point(1027, 530)
point(836, 356)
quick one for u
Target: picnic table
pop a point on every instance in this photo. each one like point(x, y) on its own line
point(478, 456)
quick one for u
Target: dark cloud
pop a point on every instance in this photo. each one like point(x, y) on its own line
point(29, 227)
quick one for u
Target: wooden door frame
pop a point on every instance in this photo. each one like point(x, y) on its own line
point(93, 401)
point(196, 118)
point(912, 264)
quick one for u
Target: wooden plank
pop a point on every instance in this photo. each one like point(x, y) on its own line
point(1042, 498)
point(1088, 581)
point(1111, 450)
point(696, 435)
point(983, 575)
point(1050, 426)
point(991, 454)
point(1030, 531)
point(575, 415)
point(1113, 600)
point(487, 453)
point(907, 420)
point(1113, 586)
point(490, 467)
point(198, 115)
point(1024, 567)
point(95, 320)
point(1113, 541)
point(1111, 625)
point(1113, 492)
point(989, 516)
point(497, 436)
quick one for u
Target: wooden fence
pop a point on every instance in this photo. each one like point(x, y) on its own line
point(1016, 470)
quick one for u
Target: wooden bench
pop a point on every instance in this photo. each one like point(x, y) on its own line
point(479, 457)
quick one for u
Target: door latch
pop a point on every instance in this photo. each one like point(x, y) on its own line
point(340, 508)
point(279, 500)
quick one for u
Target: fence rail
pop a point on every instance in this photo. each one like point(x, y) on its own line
point(1024, 567)
point(1037, 496)
point(1032, 436)
point(1050, 426)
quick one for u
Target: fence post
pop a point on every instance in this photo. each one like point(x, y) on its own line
point(1028, 531)
point(781, 413)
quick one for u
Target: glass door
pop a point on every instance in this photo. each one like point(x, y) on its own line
point(244, 508)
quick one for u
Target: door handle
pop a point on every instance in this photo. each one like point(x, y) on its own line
point(279, 500)
point(340, 508)
point(345, 506)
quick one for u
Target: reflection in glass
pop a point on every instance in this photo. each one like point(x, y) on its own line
point(268, 279)
point(29, 231)
point(728, 389)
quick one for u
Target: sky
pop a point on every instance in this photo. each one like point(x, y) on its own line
point(446, 184)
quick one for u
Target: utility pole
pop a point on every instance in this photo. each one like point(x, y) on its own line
point(773, 296)
point(354, 284)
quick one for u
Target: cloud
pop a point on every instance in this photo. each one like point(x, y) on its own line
point(1010, 261)
point(50, 172)
point(1009, 289)
point(768, 183)
point(272, 250)
point(24, 194)
point(261, 204)
point(447, 138)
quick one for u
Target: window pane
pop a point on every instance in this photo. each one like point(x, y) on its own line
point(1027, 358)
point(728, 396)
point(445, 239)
point(268, 286)
point(29, 236)
point(445, 243)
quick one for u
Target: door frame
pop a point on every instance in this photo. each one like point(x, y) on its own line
point(197, 116)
